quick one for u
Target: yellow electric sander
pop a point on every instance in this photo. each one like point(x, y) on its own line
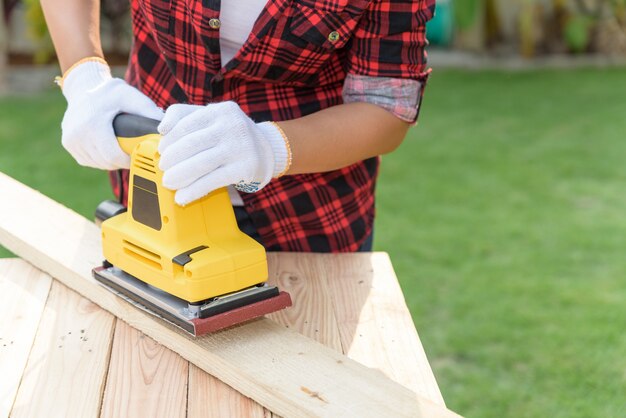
point(190, 265)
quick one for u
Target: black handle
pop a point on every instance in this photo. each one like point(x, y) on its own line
point(130, 126)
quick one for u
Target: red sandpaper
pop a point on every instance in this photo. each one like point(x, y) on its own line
point(242, 314)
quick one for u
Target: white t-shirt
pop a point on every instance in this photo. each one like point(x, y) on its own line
point(237, 19)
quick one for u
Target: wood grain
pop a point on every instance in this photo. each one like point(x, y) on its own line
point(312, 314)
point(144, 379)
point(211, 398)
point(23, 294)
point(282, 370)
point(67, 365)
point(375, 325)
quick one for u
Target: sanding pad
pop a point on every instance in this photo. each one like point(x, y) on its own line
point(175, 311)
point(242, 314)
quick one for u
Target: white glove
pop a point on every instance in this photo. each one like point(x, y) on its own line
point(94, 98)
point(204, 148)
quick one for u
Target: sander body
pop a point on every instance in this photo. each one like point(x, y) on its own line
point(190, 265)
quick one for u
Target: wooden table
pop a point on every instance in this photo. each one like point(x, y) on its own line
point(56, 347)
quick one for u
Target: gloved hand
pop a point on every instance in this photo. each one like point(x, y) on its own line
point(204, 148)
point(94, 98)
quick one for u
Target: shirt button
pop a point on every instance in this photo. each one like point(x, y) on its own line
point(215, 23)
point(333, 36)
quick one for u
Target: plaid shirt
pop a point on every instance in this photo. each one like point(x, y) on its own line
point(294, 63)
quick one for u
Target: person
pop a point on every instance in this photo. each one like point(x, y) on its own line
point(288, 103)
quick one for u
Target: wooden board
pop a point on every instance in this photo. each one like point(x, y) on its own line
point(67, 365)
point(23, 294)
point(211, 398)
point(282, 370)
point(375, 326)
point(377, 329)
point(144, 379)
point(312, 313)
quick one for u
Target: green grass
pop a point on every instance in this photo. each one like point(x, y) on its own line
point(505, 216)
point(504, 213)
point(31, 152)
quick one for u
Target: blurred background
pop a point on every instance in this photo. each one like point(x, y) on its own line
point(504, 211)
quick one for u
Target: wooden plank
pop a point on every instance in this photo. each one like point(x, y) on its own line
point(211, 398)
point(67, 365)
point(375, 324)
point(282, 370)
point(23, 293)
point(312, 315)
point(144, 379)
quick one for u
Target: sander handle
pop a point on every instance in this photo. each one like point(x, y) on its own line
point(133, 129)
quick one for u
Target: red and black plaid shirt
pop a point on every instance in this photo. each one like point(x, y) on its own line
point(294, 63)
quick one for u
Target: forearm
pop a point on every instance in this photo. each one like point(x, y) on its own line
point(340, 136)
point(74, 26)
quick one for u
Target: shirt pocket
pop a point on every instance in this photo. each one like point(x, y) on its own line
point(323, 29)
point(304, 40)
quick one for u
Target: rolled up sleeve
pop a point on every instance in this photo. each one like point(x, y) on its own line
point(400, 96)
point(386, 61)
